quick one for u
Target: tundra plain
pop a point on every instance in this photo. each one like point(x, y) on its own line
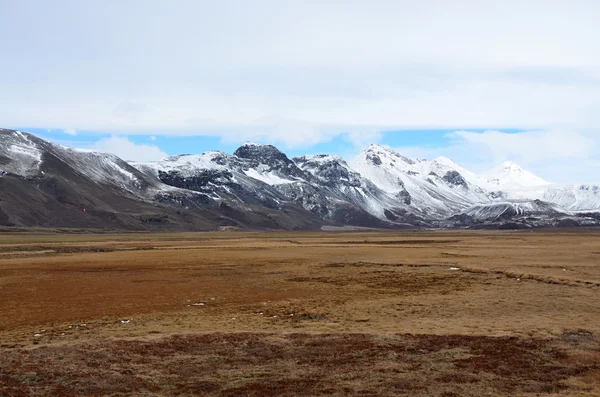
point(440, 313)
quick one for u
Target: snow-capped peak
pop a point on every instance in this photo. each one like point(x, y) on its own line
point(512, 167)
point(249, 143)
point(445, 160)
point(510, 176)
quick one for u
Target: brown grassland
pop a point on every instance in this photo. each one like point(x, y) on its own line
point(444, 314)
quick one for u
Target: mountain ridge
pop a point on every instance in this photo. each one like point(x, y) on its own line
point(259, 186)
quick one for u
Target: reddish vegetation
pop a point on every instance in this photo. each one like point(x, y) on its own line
point(446, 314)
point(299, 365)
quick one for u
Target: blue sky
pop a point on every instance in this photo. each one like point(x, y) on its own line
point(480, 82)
point(198, 144)
point(340, 144)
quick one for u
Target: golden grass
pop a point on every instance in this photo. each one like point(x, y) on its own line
point(540, 288)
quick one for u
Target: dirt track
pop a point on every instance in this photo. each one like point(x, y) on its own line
point(71, 293)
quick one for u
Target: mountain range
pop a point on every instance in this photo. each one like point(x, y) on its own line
point(43, 184)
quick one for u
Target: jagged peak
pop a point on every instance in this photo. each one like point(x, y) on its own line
point(251, 150)
point(445, 160)
point(374, 147)
point(374, 152)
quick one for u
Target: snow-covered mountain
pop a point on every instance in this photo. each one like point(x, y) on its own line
point(48, 185)
point(520, 214)
point(433, 188)
point(258, 186)
point(25, 155)
point(323, 185)
point(511, 177)
point(515, 183)
point(380, 187)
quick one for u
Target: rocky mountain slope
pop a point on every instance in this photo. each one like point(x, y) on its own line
point(47, 185)
point(261, 174)
point(258, 186)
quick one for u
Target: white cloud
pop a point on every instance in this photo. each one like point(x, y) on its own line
point(557, 156)
point(152, 138)
point(70, 131)
point(316, 68)
point(299, 73)
point(127, 150)
point(528, 147)
point(275, 130)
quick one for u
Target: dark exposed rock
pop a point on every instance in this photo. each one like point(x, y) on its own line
point(405, 197)
point(332, 172)
point(197, 182)
point(271, 157)
point(455, 178)
point(375, 159)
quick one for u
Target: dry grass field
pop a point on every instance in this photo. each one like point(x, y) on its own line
point(301, 314)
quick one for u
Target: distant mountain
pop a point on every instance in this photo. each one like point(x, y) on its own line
point(515, 183)
point(433, 189)
point(510, 177)
point(260, 187)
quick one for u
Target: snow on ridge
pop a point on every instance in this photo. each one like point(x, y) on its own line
point(322, 158)
point(267, 177)
point(25, 155)
point(30, 151)
point(80, 150)
point(493, 210)
point(250, 144)
point(187, 162)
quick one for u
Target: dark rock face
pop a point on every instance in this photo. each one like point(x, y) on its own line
point(375, 159)
point(568, 223)
point(198, 182)
point(331, 172)
point(405, 197)
point(463, 220)
point(271, 157)
point(390, 215)
point(497, 195)
point(260, 152)
point(309, 198)
point(455, 178)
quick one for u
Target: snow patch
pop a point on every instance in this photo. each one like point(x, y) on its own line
point(267, 177)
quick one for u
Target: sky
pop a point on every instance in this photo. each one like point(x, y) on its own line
point(479, 82)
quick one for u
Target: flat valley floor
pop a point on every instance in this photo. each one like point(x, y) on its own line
point(444, 314)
